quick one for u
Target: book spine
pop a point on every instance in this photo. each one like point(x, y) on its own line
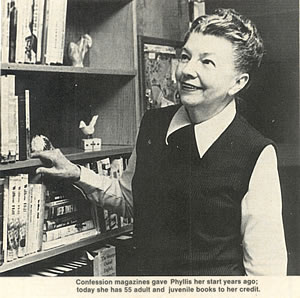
point(113, 221)
point(45, 31)
point(35, 202)
point(57, 223)
point(20, 38)
point(69, 239)
point(30, 41)
point(68, 230)
point(5, 216)
point(12, 118)
point(39, 12)
point(12, 31)
point(27, 124)
point(23, 216)
point(117, 168)
point(12, 229)
point(2, 181)
point(56, 211)
point(50, 32)
point(104, 263)
point(41, 192)
point(16, 120)
point(18, 213)
point(58, 202)
point(29, 230)
point(4, 137)
point(106, 220)
point(5, 30)
point(63, 32)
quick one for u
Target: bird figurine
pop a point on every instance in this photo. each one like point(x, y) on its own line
point(88, 130)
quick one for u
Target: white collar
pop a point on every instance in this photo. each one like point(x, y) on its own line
point(207, 132)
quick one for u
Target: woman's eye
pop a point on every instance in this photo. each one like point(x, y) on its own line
point(184, 57)
point(209, 62)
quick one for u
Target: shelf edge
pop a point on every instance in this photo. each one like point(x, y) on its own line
point(39, 256)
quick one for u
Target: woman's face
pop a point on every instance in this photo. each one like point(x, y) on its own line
point(206, 73)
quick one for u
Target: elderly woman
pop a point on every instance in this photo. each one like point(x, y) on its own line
point(203, 183)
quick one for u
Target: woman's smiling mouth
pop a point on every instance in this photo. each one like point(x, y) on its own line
point(189, 87)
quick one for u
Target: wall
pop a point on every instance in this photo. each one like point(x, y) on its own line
point(162, 18)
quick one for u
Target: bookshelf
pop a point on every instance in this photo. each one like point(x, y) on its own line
point(62, 95)
point(15, 67)
point(39, 256)
point(73, 154)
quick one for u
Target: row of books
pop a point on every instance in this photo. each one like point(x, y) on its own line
point(34, 217)
point(112, 168)
point(14, 122)
point(33, 31)
point(22, 217)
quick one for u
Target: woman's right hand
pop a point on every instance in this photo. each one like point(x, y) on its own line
point(57, 165)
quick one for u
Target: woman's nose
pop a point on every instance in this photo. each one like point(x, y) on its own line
point(189, 69)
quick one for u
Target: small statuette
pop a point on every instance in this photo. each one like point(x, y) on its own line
point(89, 143)
point(77, 50)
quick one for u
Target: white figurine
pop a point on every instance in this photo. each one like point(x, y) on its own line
point(90, 143)
point(77, 51)
point(88, 130)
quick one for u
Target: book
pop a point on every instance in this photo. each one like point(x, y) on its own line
point(50, 38)
point(40, 197)
point(60, 200)
point(117, 167)
point(5, 5)
point(69, 239)
point(62, 33)
point(18, 212)
point(23, 216)
point(5, 216)
point(24, 125)
point(30, 39)
point(4, 136)
point(12, 30)
point(20, 38)
point(113, 221)
point(39, 7)
point(45, 31)
point(68, 230)
point(2, 181)
point(30, 228)
point(104, 263)
point(35, 219)
point(12, 224)
point(59, 210)
point(12, 119)
point(62, 221)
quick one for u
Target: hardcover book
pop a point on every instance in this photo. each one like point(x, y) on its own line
point(23, 216)
point(105, 261)
point(2, 180)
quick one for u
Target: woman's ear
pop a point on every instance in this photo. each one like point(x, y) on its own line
point(240, 83)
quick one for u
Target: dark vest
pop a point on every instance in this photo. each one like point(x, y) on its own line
point(188, 209)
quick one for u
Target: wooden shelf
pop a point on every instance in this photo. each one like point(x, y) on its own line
point(73, 154)
point(65, 69)
point(62, 249)
point(101, 1)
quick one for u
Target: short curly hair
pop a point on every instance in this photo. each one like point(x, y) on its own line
point(240, 31)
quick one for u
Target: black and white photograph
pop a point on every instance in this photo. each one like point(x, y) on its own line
point(150, 148)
